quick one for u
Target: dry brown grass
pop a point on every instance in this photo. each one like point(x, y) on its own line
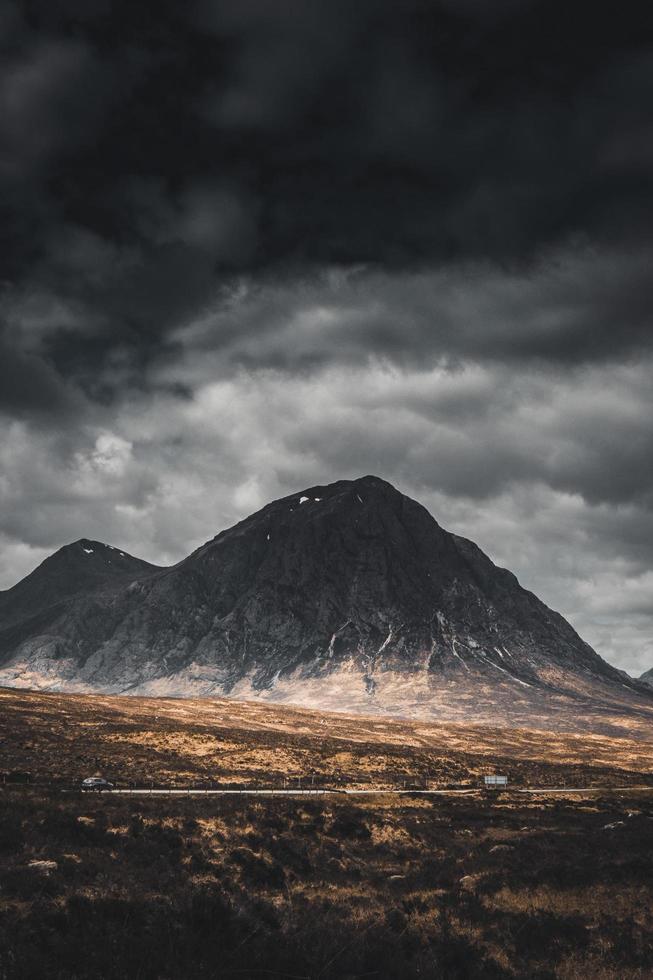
point(458, 888)
point(176, 742)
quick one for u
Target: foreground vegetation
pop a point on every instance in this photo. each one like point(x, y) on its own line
point(453, 887)
point(104, 887)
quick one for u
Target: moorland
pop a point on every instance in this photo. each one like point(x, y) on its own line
point(498, 886)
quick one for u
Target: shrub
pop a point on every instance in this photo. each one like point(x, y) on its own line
point(351, 826)
point(12, 837)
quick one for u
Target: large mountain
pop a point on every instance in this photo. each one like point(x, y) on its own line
point(344, 596)
point(647, 677)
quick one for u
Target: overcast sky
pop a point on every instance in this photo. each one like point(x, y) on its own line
point(254, 245)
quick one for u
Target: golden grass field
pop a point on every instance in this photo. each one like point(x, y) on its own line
point(64, 737)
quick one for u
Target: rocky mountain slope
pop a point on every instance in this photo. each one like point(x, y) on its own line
point(647, 677)
point(344, 596)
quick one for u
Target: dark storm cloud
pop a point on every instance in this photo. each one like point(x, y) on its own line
point(30, 387)
point(577, 306)
point(188, 144)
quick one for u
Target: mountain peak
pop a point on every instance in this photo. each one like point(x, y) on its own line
point(88, 553)
point(374, 481)
point(81, 567)
point(362, 484)
point(87, 546)
point(344, 595)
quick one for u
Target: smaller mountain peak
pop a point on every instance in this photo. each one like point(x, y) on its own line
point(88, 549)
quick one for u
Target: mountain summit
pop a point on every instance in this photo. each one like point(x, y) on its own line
point(344, 596)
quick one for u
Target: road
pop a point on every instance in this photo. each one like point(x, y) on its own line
point(531, 790)
point(284, 792)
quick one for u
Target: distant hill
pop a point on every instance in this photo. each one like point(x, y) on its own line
point(647, 677)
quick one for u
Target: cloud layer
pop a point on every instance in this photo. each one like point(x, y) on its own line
point(248, 247)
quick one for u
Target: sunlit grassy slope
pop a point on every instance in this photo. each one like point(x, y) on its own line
point(62, 738)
